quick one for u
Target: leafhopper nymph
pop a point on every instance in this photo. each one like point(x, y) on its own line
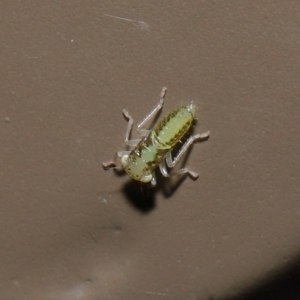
point(154, 149)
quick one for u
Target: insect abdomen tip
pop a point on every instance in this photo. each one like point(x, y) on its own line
point(191, 108)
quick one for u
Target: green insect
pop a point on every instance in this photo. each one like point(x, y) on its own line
point(155, 147)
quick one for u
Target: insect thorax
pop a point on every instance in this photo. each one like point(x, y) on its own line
point(144, 159)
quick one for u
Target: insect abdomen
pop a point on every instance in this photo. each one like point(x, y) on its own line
point(174, 126)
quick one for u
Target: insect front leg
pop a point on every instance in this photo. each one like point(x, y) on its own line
point(113, 163)
point(131, 143)
point(171, 163)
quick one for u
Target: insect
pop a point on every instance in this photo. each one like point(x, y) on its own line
point(154, 149)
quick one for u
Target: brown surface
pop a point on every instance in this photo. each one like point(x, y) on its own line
point(70, 230)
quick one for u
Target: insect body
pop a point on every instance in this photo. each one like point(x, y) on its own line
point(155, 147)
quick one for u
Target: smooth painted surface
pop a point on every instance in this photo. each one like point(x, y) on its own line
point(69, 229)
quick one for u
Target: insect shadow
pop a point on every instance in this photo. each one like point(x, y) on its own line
point(142, 195)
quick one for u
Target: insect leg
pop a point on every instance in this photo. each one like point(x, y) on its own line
point(127, 141)
point(155, 110)
point(163, 167)
point(164, 171)
point(112, 164)
point(143, 132)
point(153, 180)
point(171, 163)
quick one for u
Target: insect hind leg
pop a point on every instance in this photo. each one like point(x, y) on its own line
point(171, 163)
point(183, 171)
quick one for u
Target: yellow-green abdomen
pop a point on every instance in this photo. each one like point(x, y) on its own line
point(168, 132)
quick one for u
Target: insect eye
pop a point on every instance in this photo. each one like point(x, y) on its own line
point(124, 160)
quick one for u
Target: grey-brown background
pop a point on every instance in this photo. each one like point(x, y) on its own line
point(70, 230)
